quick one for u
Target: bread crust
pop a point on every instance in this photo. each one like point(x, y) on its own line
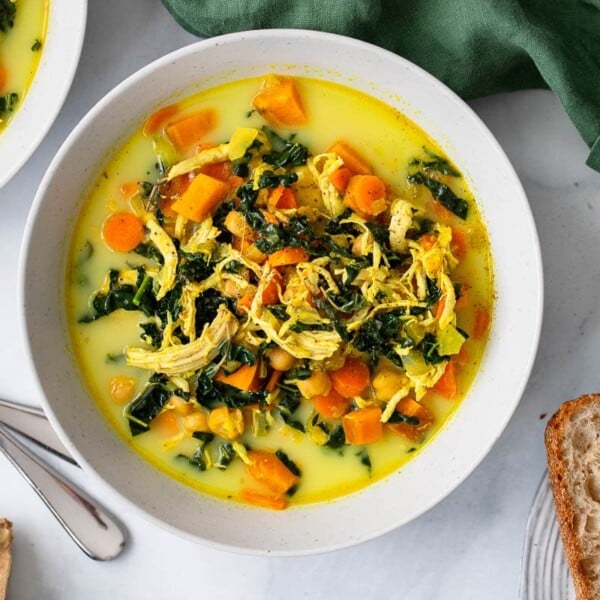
point(555, 436)
point(5, 555)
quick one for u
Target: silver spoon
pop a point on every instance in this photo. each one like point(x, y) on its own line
point(89, 525)
point(31, 422)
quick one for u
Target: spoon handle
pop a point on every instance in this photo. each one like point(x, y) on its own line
point(33, 424)
point(87, 523)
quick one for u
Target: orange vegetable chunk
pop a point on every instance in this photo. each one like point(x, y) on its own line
point(367, 193)
point(363, 426)
point(157, 120)
point(332, 405)
point(128, 189)
point(279, 103)
point(245, 378)
point(411, 408)
point(352, 159)
point(270, 294)
point(288, 256)
point(351, 378)
point(121, 388)
point(123, 231)
point(244, 303)
point(283, 197)
point(3, 78)
point(341, 178)
point(187, 132)
point(446, 384)
point(201, 197)
point(482, 323)
point(166, 423)
point(220, 171)
point(264, 500)
point(267, 469)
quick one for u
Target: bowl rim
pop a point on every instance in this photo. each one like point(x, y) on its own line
point(537, 303)
point(49, 88)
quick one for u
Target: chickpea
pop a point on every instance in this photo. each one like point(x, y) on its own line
point(121, 388)
point(226, 423)
point(362, 244)
point(280, 359)
point(236, 223)
point(387, 381)
point(196, 421)
point(231, 289)
point(180, 406)
point(318, 384)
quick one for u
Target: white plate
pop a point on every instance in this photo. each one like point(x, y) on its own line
point(462, 442)
point(48, 91)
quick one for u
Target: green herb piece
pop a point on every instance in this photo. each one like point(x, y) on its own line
point(437, 163)
point(443, 194)
point(288, 462)
point(225, 455)
point(37, 45)
point(8, 10)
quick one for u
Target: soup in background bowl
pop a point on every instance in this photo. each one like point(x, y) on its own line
point(437, 132)
point(38, 58)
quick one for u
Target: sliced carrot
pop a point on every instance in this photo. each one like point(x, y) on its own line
point(352, 159)
point(264, 500)
point(220, 170)
point(270, 294)
point(128, 189)
point(283, 197)
point(441, 211)
point(234, 182)
point(123, 231)
point(244, 303)
point(363, 426)
point(270, 217)
point(201, 198)
point(279, 103)
point(267, 469)
point(439, 308)
point(288, 256)
point(157, 120)
point(166, 423)
point(367, 193)
point(3, 78)
point(332, 406)
point(245, 378)
point(446, 384)
point(341, 178)
point(273, 381)
point(411, 408)
point(190, 130)
point(351, 378)
point(463, 301)
point(459, 243)
point(428, 240)
point(482, 323)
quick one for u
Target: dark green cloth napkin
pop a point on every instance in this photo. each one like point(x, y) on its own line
point(476, 47)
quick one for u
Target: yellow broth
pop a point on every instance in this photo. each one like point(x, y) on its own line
point(20, 50)
point(389, 141)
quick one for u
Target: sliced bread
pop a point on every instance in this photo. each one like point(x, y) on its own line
point(573, 451)
point(5, 555)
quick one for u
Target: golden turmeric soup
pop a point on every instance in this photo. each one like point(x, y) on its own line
point(22, 35)
point(279, 289)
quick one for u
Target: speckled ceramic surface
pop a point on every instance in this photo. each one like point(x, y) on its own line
point(459, 447)
point(53, 78)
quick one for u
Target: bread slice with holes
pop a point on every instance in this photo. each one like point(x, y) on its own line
point(573, 451)
point(5, 555)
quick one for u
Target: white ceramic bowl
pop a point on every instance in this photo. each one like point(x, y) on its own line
point(469, 434)
point(51, 83)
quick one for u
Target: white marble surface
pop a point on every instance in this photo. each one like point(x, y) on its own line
point(470, 545)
